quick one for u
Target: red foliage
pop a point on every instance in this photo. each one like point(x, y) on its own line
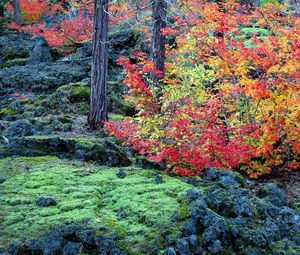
point(32, 11)
point(223, 104)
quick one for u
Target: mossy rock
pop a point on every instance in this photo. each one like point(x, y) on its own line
point(14, 62)
point(79, 93)
point(134, 207)
point(7, 112)
point(83, 149)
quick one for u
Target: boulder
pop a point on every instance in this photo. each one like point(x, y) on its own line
point(183, 247)
point(72, 248)
point(271, 193)
point(42, 77)
point(116, 157)
point(49, 244)
point(121, 174)
point(15, 45)
point(20, 128)
point(169, 251)
point(46, 201)
point(40, 53)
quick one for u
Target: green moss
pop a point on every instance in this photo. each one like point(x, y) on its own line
point(40, 102)
point(7, 112)
point(9, 167)
point(134, 207)
point(14, 62)
point(80, 141)
point(116, 117)
point(80, 92)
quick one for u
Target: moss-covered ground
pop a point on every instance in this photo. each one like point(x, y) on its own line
point(135, 207)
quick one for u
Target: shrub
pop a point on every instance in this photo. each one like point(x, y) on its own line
point(223, 104)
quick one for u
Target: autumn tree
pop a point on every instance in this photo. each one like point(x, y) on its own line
point(229, 101)
point(158, 40)
point(1, 11)
point(98, 99)
point(17, 12)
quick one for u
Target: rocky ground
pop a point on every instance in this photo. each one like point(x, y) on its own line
point(66, 190)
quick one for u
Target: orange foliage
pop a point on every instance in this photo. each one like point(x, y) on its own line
point(31, 11)
point(226, 102)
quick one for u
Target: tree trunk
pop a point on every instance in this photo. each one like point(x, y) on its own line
point(1, 12)
point(98, 100)
point(17, 12)
point(158, 40)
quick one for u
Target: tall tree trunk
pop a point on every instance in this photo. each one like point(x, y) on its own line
point(98, 100)
point(1, 11)
point(17, 12)
point(158, 40)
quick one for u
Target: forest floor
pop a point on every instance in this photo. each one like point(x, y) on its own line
point(67, 190)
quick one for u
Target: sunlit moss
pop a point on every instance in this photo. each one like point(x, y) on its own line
point(134, 207)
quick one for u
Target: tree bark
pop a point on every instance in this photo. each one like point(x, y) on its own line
point(158, 40)
point(98, 99)
point(17, 12)
point(1, 11)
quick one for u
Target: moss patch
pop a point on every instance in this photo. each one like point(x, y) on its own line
point(14, 62)
point(80, 92)
point(134, 207)
point(7, 112)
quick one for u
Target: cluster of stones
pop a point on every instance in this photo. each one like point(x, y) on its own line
point(225, 219)
point(68, 240)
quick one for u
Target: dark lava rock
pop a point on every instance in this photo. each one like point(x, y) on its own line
point(20, 128)
point(46, 201)
point(183, 247)
point(158, 179)
point(116, 157)
point(72, 248)
point(115, 251)
point(244, 207)
point(108, 153)
point(169, 251)
point(191, 227)
point(13, 248)
point(15, 45)
point(230, 220)
point(42, 77)
point(121, 174)
point(193, 194)
point(80, 155)
point(147, 164)
point(271, 193)
point(215, 247)
point(227, 179)
point(193, 240)
point(67, 240)
point(40, 52)
point(50, 244)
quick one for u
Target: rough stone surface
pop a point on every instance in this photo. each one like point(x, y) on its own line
point(46, 201)
point(230, 220)
point(20, 128)
point(105, 152)
point(40, 53)
point(15, 45)
point(42, 77)
point(67, 240)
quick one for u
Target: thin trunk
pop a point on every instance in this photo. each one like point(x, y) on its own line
point(98, 100)
point(17, 12)
point(1, 12)
point(158, 41)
